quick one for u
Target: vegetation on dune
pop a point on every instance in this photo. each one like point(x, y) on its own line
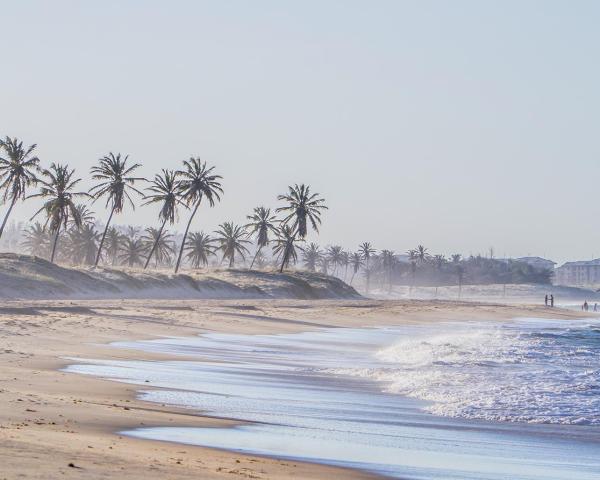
point(197, 182)
point(232, 240)
point(165, 189)
point(17, 173)
point(160, 245)
point(59, 206)
point(356, 260)
point(199, 249)
point(284, 246)
point(114, 242)
point(133, 251)
point(367, 251)
point(72, 234)
point(116, 183)
point(261, 224)
point(312, 256)
point(302, 208)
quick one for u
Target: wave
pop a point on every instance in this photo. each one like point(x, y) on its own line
point(517, 372)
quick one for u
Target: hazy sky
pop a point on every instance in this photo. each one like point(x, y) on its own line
point(457, 124)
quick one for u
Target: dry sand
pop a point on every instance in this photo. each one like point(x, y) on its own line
point(59, 425)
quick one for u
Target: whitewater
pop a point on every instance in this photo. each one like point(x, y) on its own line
point(536, 371)
point(463, 400)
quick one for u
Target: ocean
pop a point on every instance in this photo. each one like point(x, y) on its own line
point(463, 400)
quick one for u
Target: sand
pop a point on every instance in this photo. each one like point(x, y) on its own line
point(59, 425)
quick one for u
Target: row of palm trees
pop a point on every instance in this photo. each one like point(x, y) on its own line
point(118, 185)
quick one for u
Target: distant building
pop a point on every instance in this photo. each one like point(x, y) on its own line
point(538, 262)
point(582, 273)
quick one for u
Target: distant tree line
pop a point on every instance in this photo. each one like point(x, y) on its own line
point(385, 268)
point(68, 231)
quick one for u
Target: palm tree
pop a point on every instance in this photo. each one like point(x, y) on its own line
point(311, 256)
point(160, 244)
point(366, 251)
point(324, 264)
point(116, 183)
point(197, 182)
point(334, 253)
point(200, 247)
point(114, 242)
point(261, 223)
point(388, 259)
point(37, 241)
point(83, 244)
point(421, 254)
point(356, 261)
point(60, 207)
point(438, 262)
point(261, 260)
point(303, 207)
point(133, 251)
point(284, 246)
point(345, 262)
point(16, 173)
point(132, 231)
point(86, 215)
point(231, 239)
point(164, 189)
point(459, 270)
point(413, 257)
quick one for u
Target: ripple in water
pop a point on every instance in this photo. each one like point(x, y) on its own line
point(523, 372)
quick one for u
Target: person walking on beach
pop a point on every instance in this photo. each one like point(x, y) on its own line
point(546, 300)
point(595, 307)
point(552, 300)
point(585, 307)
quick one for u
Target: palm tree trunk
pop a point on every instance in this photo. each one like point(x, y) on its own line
point(255, 255)
point(12, 204)
point(187, 228)
point(54, 244)
point(352, 278)
point(286, 254)
point(155, 243)
point(112, 211)
point(283, 261)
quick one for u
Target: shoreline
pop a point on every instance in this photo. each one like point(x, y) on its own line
point(52, 407)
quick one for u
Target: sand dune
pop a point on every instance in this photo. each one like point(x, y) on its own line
point(27, 277)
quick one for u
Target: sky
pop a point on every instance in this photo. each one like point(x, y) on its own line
point(458, 125)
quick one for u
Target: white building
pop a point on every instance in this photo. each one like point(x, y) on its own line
point(582, 273)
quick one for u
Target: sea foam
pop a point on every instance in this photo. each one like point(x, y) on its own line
point(526, 371)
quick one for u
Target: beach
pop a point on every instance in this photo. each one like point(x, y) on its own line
point(56, 423)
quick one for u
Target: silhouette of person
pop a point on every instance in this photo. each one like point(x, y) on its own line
point(595, 307)
point(546, 300)
point(585, 306)
point(552, 300)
